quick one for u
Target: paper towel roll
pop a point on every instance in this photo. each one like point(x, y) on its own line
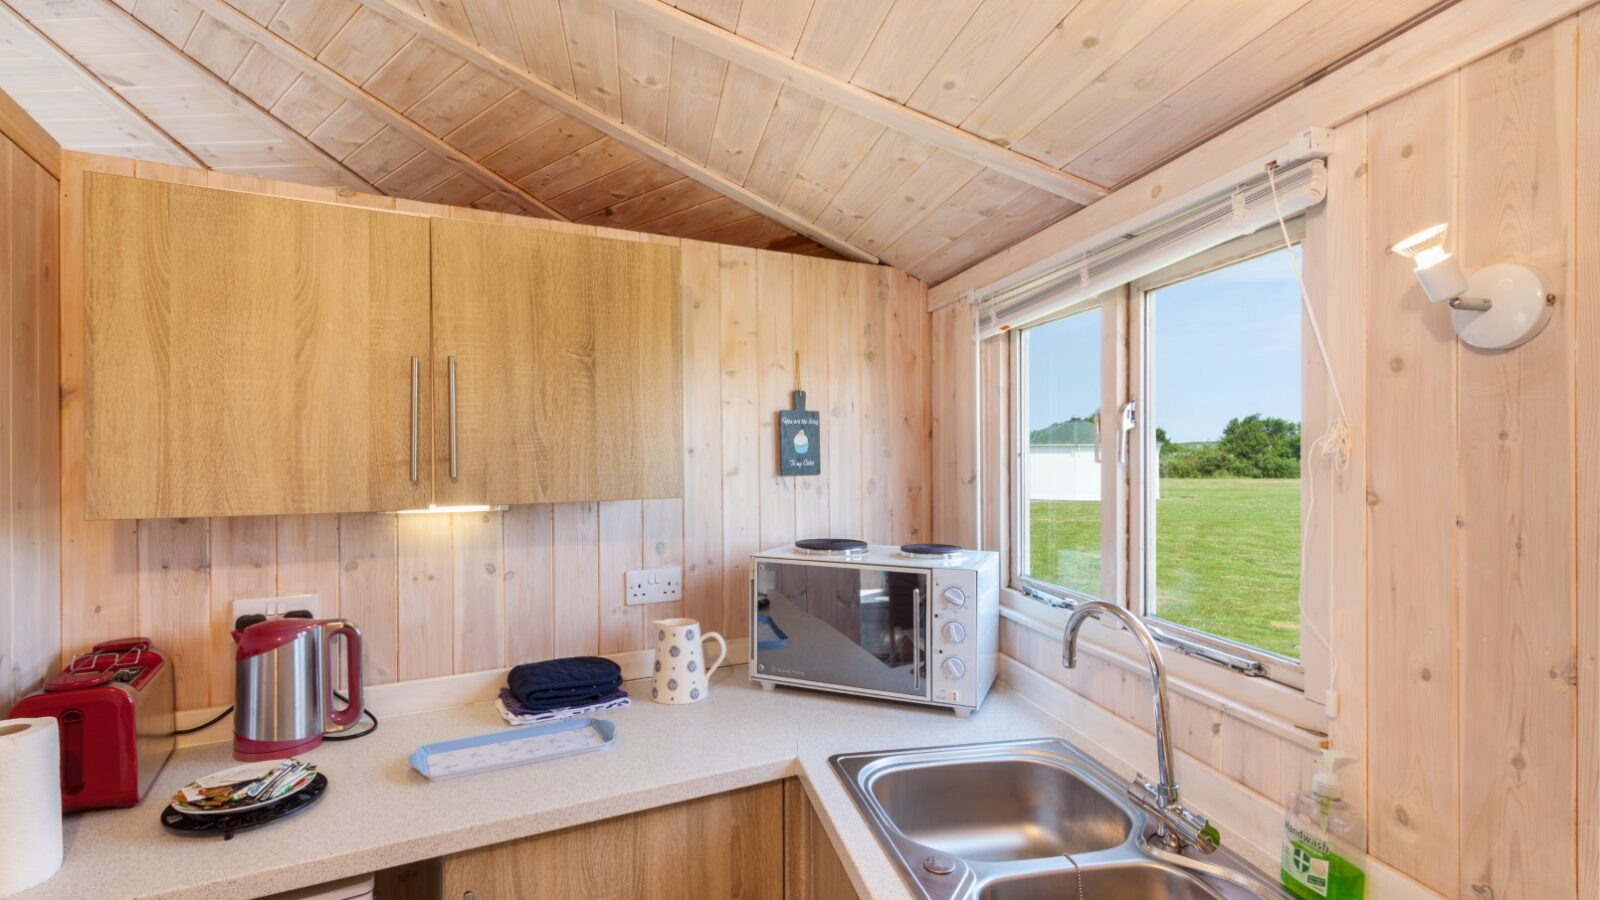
point(30, 817)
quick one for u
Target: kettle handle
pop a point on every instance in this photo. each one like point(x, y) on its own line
point(339, 719)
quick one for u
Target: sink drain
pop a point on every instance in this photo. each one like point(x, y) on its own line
point(939, 865)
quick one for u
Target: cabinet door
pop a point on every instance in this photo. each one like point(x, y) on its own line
point(251, 355)
point(725, 846)
point(557, 366)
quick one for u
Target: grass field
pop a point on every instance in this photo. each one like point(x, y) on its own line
point(1227, 558)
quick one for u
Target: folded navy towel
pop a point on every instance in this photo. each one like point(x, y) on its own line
point(571, 681)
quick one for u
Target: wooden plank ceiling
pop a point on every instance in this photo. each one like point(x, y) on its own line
point(928, 134)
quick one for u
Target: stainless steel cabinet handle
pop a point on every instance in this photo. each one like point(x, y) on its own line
point(455, 469)
point(916, 639)
point(416, 414)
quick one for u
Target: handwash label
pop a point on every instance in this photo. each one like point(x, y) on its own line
point(1305, 862)
point(1312, 870)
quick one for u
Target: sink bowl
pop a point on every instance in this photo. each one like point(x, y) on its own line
point(1148, 881)
point(1021, 807)
point(1020, 820)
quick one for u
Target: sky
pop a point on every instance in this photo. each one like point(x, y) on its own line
point(1226, 344)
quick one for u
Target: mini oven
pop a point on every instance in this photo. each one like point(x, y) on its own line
point(918, 623)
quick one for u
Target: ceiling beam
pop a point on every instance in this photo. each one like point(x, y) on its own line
point(618, 131)
point(836, 91)
point(320, 72)
point(92, 83)
point(136, 29)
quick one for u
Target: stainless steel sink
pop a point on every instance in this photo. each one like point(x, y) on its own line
point(1020, 820)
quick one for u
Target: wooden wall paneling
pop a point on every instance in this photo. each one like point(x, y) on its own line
point(244, 565)
point(542, 37)
point(908, 205)
point(1088, 41)
point(992, 42)
point(955, 435)
point(1279, 57)
point(661, 532)
point(910, 40)
point(843, 459)
point(1586, 354)
point(746, 105)
point(576, 582)
point(994, 401)
point(1334, 585)
point(693, 97)
point(774, 25)
point(30, 486)
point(644, 56)
point(1196, 37)
point(1518, 744)
point(480, 595)
point(703, 585)
point(621, 542)
point(1012, 221)
point(839, 147)
point(875, 176)
point(1411, 576)
point(425, 578)
point(530, 588)
point(591, 46)
point(308, 558)
point(813, 332)
point(907, 353)
point(174, 606)
point(99, 559)
point(369, 590)
point(775, 361)
point(876, 444)
point(796, 121)
point(30, 137)
point(741, 433)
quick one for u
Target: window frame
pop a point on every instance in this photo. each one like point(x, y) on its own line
point(1127, 559)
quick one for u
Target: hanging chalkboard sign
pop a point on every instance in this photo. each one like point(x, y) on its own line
point(799, 439)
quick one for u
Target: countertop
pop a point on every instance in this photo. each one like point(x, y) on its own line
point(378, 812)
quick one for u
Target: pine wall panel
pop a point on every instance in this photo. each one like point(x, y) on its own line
point(1469, 692)
point(442, 594)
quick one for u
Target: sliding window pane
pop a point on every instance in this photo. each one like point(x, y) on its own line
point(1062, 479)
point(1224, 473)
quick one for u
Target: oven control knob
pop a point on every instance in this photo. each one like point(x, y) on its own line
point(954, 667)
point(955, 597)
point(954, 632)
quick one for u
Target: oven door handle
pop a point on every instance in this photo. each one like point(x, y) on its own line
point(916, 639)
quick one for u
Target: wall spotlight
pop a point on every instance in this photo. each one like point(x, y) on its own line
point(1498, 307)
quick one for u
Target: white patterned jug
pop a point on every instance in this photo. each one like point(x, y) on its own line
point(681, 674)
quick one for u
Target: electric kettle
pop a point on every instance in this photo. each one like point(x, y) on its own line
point(283, 688)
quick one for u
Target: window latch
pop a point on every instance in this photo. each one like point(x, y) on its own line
point(1130, 418)
point(1249, 667)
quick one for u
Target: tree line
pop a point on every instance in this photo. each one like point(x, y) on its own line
point(1255, 446)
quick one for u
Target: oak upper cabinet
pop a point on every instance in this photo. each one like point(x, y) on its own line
point(557, 366)
point(247, 354)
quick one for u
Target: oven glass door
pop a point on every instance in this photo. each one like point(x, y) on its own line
point(846, 626)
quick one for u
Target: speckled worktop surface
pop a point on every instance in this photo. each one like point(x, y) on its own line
point(378, 812)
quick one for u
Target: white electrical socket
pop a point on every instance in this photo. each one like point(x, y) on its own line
point(275, 607)
point(272, 607)
point(664, 585)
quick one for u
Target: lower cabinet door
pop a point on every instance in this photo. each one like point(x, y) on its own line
point(726, 846)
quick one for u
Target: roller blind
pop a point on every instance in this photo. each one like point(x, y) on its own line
point(1210, 223)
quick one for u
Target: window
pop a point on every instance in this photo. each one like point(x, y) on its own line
point(1192, 516)
point(1062, 528)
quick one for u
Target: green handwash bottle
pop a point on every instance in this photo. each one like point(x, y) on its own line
point(1323, 839)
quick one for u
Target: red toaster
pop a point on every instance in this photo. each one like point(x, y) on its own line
point(115, 707)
